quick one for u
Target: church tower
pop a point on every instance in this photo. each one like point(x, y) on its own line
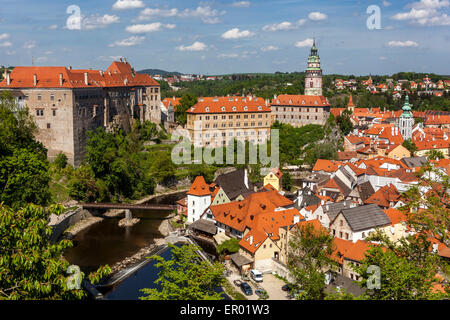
point(313, 80)
point(406, 120)
point(351, 105)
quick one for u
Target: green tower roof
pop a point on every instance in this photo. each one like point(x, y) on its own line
point(406, 108)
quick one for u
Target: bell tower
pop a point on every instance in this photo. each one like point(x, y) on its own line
point(313, 80)
point(406, 120)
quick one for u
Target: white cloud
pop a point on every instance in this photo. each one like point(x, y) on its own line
point(29, 45)
point(5, 44)
point(196, 46)
point(228, 55)
point(41, 59)
point(148, 13)
point(235, 33)
point(269, 48)
point(386, 3)
point(305, 43)
point(285, 25)
point(4, 36)
point(96, 21)
point(317, 16)
point(241, 4)
point(152, 27)
point(129, 42)
point(53, 27)
point(128, 4)
point(279, 26)
point(402, 44)
point(206, 14)
point(426, 13)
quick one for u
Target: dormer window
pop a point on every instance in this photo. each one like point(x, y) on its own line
point(259, 108)
point(234, 108)
point(303, 102)
point(245, 108)
point(223, 108)
point(207, 109)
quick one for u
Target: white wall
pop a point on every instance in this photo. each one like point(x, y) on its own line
point(196, 206)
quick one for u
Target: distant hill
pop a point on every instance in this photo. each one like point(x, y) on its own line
point(153, 72)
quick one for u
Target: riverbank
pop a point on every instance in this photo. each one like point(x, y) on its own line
point(165, 228)
point(71, 232)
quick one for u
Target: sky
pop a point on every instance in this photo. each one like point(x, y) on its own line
point(229, 36)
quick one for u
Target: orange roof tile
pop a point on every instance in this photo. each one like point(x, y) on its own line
point(326, 165)
point(200, 188)
point(396, 216)
point(229, 105)
point(300, 100)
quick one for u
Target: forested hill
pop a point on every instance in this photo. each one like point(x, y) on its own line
point(153, 72)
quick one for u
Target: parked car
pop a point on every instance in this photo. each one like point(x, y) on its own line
point(287, 287)
point(256, 275)
point(245, 287)
point(237, 283)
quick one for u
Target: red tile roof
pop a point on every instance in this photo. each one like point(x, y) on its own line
point(349, 250)
point(326, 165)
point(200, 188)
point(229, 105)
point(396, 216)
point(384, 196)
point(267, 225)
point(117, 75)
point(240, 214)
point(300, 100)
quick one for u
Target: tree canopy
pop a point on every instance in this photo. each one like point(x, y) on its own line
point(24, 176)
point(186, 277)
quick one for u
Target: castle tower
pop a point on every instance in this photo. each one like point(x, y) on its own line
point(313, 80)
point(406, 120)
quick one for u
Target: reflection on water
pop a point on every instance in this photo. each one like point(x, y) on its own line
point(107, 243)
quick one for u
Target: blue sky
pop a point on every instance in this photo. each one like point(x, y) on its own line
point(217, 37)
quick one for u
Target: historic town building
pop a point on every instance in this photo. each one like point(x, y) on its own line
point(216, 121)
point(66, 103)
point(406, 121)
point(311, 108)
point(313, 80)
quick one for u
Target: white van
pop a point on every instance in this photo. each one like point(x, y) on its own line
point(256, 275)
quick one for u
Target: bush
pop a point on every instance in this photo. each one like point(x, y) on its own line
point(61, 161)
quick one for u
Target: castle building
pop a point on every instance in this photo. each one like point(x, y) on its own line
point(406, 121)
point(216, 121)
point(66, 103)
point(310, 108)
point(313, 80)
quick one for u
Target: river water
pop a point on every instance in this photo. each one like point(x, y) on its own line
point(107, 243)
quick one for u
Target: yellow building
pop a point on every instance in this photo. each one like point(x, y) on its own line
point(216, 121)
point(396, 152)
point(274, 179)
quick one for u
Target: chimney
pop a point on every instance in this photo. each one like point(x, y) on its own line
point(86, 80)
point(246, 178)
point(296, 219)
point(251, 240)
point(60, 79)
point(35, 80)
point(101, 73)
point(323, 202)
point(8, 78)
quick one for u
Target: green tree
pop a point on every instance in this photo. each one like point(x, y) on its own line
point(410, 145)
point(30, 266)
point(187, 100)
point(435, 155)
point(24, 176)
point(344, 123)
point(186, 277)
point(228, 246)
point(61, 161)
point(309, 254)
point(286, 181)
point(321, 151)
